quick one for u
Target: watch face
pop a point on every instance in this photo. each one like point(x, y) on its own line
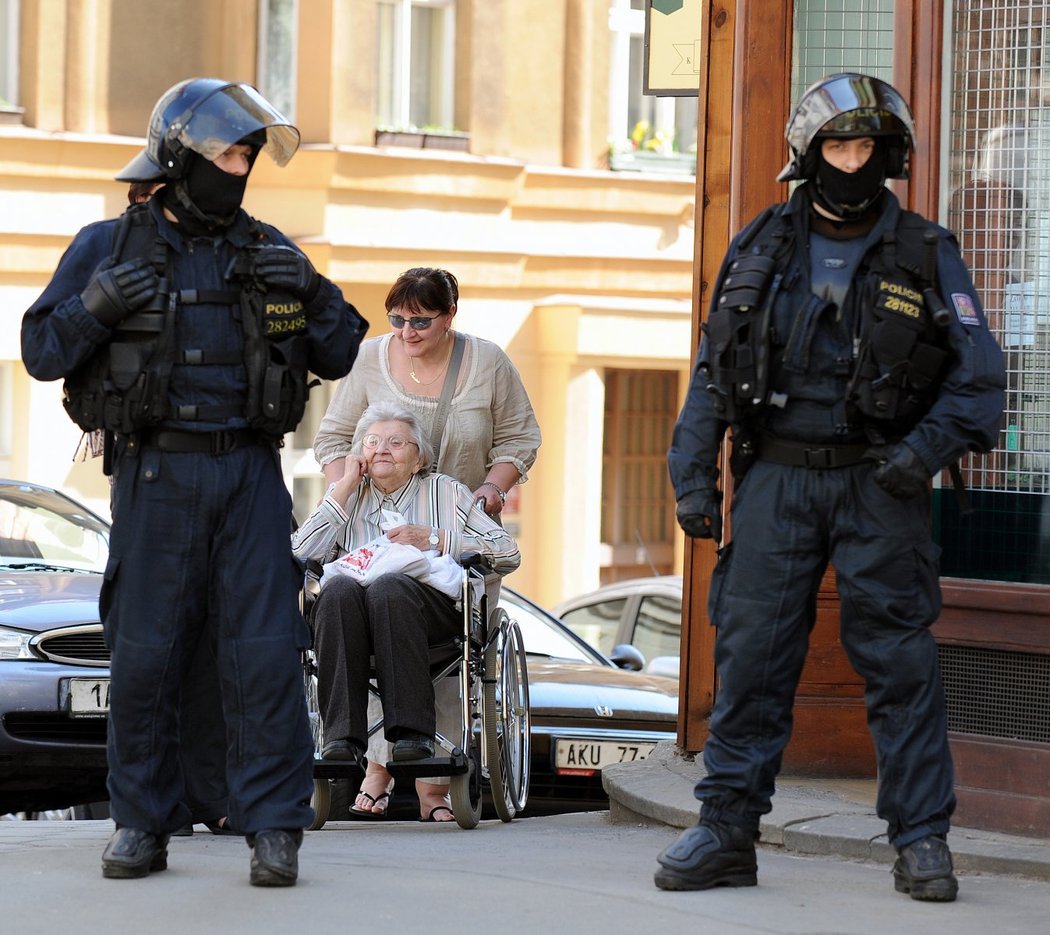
point(433, 538)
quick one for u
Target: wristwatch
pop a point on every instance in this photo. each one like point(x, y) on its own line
point(433, 540)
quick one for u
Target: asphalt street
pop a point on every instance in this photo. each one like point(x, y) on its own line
point(579, 873)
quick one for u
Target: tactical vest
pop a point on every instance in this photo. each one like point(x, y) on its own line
point(901, 350)
point(123, 388)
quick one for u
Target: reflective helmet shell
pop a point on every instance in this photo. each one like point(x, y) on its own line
point(848, 105)
point(207, 116)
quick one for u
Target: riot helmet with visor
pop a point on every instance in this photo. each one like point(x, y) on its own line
point(849, 105)
point(206, 116)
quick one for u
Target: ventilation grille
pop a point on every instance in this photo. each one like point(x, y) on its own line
point(997, 693)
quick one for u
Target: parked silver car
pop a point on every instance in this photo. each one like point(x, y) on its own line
point(645, 613)
point(54, 680)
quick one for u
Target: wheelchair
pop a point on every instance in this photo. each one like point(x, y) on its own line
point(493, 745)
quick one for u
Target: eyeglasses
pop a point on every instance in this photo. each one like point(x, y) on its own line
point(394, 442)
point(417, 323)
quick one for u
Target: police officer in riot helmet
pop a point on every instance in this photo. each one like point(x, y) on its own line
point(846, 349)
point(187, 332)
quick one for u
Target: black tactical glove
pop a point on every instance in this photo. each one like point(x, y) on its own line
point(900, 472)
point(700, 514)
point(117, 291)
point(283, 268)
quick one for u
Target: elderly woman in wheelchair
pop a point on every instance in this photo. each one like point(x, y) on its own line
point(393, 620)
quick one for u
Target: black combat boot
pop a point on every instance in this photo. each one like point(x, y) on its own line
point(275, 857)
point(131, 853)
point(709, 855)
point(924, 871)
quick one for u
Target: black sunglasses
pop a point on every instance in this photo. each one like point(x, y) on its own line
point(418, 324)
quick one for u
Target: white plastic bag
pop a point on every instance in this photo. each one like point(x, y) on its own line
point(444, 575)
point(378, 557)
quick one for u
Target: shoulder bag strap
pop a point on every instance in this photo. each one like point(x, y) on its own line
point(448, 388)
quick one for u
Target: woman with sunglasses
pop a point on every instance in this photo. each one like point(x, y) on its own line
point(396, 617)
point(489, 440)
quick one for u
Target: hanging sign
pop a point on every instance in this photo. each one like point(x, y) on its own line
point(672, 47)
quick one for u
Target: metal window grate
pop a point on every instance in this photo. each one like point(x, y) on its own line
point(841, 35)
point(997, 693)
point(998, 202)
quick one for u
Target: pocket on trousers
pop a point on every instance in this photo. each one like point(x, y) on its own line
point(105, 594)
point(718, 582)
point(928, 576)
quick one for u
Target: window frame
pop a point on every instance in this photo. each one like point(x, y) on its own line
point(443, 107)
point(9, 89)
point(627, 26)
point(263, 76)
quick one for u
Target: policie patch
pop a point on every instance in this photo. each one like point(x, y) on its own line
point(900, 299)
point(965, 310)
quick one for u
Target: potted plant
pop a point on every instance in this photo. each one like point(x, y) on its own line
point(649, 150)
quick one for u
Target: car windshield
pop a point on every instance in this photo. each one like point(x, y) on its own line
point(46, 530)
point(543, 635)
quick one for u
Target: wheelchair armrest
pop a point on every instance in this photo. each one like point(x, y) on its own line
point(476, 560)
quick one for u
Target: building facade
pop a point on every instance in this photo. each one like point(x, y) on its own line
point(470, 134)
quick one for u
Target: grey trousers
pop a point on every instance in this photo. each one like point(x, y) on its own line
point(394, 620)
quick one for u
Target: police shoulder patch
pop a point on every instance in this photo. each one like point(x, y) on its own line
point(965, 310)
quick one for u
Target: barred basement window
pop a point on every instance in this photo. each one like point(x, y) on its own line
point(997, 693)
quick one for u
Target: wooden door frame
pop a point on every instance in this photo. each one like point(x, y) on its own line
point(745, 92)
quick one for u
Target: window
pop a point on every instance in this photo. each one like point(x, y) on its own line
point(637, 121)
point(277, 58)
point(996, 197)
point(638, 526)
point(598, 624)
point(8, 54)
point(415, 63)
point(841, 35)
point(7, 408)
point(658, 629)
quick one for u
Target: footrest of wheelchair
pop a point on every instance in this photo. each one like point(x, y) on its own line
point(336, 769)
point(431, 766)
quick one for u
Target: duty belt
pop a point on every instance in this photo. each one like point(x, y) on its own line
point(808, 454)
point(216, 443)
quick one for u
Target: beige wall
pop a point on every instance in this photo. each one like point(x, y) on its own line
point(571, 270)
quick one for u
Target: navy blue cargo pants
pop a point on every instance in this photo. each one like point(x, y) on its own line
point(787, 523)
point(202, 540)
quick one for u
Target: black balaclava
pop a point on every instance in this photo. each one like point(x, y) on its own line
point(206, 199)
point(849, 195)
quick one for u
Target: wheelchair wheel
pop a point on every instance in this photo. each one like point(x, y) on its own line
point(506, 716)
point(321, 800)
point(313, 706)
point(321, 803)
point(465, 793)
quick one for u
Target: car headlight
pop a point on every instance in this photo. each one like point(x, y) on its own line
point(14, 644)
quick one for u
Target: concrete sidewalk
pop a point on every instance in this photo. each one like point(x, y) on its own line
point(809, 816)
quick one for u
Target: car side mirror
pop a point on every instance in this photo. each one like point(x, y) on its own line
point(667, 666)
point(627, 657)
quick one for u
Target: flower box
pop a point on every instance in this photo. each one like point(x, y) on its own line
point(425, 139)
point(662, 163)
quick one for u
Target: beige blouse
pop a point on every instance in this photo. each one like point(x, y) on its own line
point(490, 418)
